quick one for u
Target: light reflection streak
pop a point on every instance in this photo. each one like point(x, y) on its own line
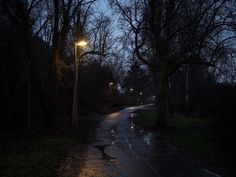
point(147, 138)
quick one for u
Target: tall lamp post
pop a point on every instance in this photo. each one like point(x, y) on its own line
point(130, 96)
point(78, 45)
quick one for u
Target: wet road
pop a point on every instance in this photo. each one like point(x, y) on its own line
point(121, 149)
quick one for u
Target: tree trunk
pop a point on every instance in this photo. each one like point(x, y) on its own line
point(55, 46)
point(26, 33)
point(29, 99)
point(75, 96)
point(162, 100)
point(170, 103)
point(187, 91)
point(55, 62)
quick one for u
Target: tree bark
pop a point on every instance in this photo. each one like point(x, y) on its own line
point(170, 103)
point(162, 99)
point(187, 91)
point(55, 46)
point(55, 62)
point(26, 33)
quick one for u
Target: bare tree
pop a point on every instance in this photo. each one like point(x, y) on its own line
point(175, 33)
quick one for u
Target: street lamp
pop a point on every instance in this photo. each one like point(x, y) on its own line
point(81, 43)
point(111, 84)
point(141, 97)
point(110, 92)
point(130, 96)
point(78, 44)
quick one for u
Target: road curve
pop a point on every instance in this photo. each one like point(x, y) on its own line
point(122, 149)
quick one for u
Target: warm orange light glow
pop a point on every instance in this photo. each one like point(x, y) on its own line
point(81, 43)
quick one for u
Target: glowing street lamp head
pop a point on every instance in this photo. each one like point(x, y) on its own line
point(81, 43)
point(141, 93)
point(131, 89)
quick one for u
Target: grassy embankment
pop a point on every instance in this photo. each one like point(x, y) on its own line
point(40, 156)
point(195, 137)
point(34, 157)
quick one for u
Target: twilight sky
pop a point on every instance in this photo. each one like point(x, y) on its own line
point(102, 5)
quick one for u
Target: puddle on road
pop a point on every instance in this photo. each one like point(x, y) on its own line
point(113, 136)
point(132, 125)
point(132, 115)
point(102, 148)
point(135, 128)
point(147, 138)
point(130, 145)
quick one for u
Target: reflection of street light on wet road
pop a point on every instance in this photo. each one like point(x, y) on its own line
point(78, 45)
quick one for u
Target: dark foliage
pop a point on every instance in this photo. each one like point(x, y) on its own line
point(208, 99)
point(95, 93)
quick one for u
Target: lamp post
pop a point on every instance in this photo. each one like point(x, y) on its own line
point(110, 94)
point(78, 45)
point(111, 84)
point(141, 97)
point(110, 89)
point(130, 100)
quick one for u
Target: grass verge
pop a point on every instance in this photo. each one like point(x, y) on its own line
point(194, 137)
point(145, 118)
point(33, 157)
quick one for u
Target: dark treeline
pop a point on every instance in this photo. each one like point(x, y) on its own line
point(200, 95)
point(178, 54)
point(98, 88)
point(188, 48)
point(182, 53)
point(37, 63)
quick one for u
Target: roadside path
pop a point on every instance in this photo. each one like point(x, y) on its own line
point(122, 149)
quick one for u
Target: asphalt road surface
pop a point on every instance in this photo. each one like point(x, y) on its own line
point(122, 149)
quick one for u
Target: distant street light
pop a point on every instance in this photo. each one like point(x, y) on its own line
point(78, 54)
point(110, 92)
point(130, 96)
point(141, 93)
point(111, 84)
